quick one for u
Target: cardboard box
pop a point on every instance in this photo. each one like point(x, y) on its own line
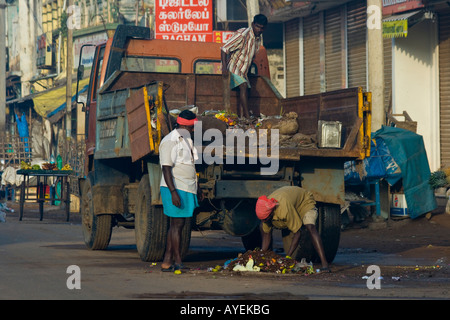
point(398, 205)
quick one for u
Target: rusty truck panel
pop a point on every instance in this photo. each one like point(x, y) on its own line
point(321, 170)
point(205, 91)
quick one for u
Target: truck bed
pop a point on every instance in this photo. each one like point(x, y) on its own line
point(205, 92)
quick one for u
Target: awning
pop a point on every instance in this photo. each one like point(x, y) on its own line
point(51, 102)
point(397, 26)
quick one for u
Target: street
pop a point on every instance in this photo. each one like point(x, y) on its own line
point(42, 260)
point(348, 99)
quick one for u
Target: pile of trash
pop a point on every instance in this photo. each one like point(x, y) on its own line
point(230, 119)
point(289, 135)
point(287, 126)
point(267, 261)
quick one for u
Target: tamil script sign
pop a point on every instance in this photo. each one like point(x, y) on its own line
point(396, 6)
point(188, 20)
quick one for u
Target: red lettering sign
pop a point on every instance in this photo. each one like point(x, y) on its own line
point(188, 20)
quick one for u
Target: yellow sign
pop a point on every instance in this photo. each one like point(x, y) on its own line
point(395, 29)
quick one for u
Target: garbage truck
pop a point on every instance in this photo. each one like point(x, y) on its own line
point(138, 84)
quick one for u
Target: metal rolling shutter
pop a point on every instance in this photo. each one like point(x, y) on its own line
point(311, 58)
point(444, 86)
point(333, 49)
point(387, 55)
point(356, 43)
point(292, 52)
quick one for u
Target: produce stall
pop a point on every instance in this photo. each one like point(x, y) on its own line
point(45, 175)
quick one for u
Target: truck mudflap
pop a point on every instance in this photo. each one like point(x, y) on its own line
point(324, 178)
point(108, 199)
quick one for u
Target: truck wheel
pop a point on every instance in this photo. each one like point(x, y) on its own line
point(239, 217)
point(253, 240)
point(96, 228)
point(328, 225)
point(151, 225)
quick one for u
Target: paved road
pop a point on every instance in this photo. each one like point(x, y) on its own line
point(35, 257)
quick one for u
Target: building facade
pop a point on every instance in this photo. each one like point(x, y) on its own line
point(315, 47)
point(326, 48)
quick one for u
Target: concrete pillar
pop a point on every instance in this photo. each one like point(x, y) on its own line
point(376, 86)
point(375, 61)
point(69, 67)
point(252, 10)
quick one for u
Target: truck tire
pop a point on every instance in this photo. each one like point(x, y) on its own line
point(97, 229)
point(240, 218)
point(151, 225)
point(328, 225)
point(253, 240)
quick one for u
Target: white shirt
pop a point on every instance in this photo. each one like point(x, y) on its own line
point(177, 151)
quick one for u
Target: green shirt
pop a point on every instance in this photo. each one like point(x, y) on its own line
point(293, 203)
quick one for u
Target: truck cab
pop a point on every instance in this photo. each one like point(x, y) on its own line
point(133, 50)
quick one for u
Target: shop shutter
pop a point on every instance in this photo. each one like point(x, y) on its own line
point(292, 51)
point(444, 86)
point(387, 55)
point(356, 44)
point(311, 56)
point(333, 50)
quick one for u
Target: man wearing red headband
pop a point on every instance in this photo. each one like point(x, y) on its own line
point(290, 207)
point(179, 191)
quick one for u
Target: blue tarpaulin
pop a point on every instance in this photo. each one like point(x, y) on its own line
point(380, 165)
point(408, 151)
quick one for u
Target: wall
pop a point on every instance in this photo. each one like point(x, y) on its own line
point(416, 86)
point(29, 11)
point(22, 30)
point(275, 57)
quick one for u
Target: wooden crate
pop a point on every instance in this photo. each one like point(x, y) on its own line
point(408, 124)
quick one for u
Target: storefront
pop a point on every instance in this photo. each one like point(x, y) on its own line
point(415, 71)
point(326, 51)
point(444, 85)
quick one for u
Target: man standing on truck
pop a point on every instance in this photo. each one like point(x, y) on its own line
point(179, 192)
point(237, 55)
point(289, 208)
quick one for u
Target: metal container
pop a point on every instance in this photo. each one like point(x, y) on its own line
point(329, 134)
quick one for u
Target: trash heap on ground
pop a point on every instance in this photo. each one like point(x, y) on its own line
point(267, 261)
